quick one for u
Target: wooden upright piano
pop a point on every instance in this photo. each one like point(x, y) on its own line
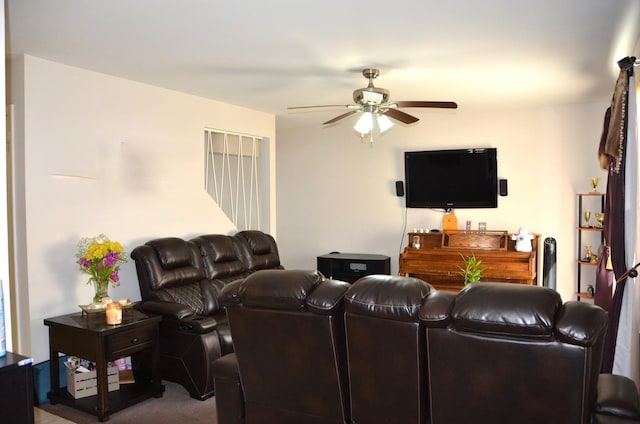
point(438, 257)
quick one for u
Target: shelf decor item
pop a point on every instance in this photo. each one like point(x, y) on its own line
point(600, 219)
point(594, 184)
point(113, 313)
point(587, 218)
point(587, 253)
point(100, 258)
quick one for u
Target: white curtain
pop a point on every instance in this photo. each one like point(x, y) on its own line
point(627, 348)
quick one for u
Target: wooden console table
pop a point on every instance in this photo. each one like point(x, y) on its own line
point(89, 337)
point(438, 261)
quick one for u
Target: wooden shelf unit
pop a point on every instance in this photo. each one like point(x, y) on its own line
point(439, 264)
point(587, 233)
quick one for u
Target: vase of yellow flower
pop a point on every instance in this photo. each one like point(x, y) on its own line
point(101, 258)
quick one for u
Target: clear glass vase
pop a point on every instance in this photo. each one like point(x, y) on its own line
point(101, 290)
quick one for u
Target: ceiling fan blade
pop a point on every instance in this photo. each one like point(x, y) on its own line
point(401, 116)
point(445, 105)
point(337, 118)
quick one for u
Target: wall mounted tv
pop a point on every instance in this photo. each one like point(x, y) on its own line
point(451, 179)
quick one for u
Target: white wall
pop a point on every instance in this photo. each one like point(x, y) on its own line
point(338, 194)
point(100, 154)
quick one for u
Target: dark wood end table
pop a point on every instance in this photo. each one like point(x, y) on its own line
point(87, 336)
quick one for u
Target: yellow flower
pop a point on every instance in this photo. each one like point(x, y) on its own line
point(101, 259)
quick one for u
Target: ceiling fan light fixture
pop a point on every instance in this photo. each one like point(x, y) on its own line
point(372, 97)
point(364, 125)
point(384, 123)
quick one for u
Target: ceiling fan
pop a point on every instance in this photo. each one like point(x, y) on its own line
point(374, 102)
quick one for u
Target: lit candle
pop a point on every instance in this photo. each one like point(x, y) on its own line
point(114, 313)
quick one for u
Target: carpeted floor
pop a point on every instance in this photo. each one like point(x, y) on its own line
point(175, 406)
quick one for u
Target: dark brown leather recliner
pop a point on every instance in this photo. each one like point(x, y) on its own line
point(194, 330)
point(221, 258)
point(510, 353)
point(290, 355)
point(257, 250)
point(386, 349)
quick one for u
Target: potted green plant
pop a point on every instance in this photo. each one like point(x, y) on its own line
point(472, 270)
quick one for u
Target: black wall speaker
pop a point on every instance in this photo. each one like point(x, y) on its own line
point(399, 188)
point(503, 188)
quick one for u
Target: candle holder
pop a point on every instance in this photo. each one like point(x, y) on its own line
point(113, 313)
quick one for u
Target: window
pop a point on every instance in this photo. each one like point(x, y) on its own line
point(236, 176)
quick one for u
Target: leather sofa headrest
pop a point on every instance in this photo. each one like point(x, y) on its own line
point(257, 240)
point(278, 289)
point(292, 290)
point(218, 246)
point(392, 297)
point(172, 252)
point(507, 309)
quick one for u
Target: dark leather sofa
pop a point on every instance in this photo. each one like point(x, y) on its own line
point(391, 349)
point(180, 280)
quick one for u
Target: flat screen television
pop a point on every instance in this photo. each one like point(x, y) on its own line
point(451, 179)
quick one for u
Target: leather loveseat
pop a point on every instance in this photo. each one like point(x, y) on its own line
point(180, 280)
point(402, 352)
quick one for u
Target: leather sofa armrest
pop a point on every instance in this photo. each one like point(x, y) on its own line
point(436, 310)
point(597, 418)
point(199, 324)
point(167, 309)
point(179, 316)
point(229, 397)
point(617, 398)
point(327, 297)
point(226, 367)
point(228, 296)
point(571, 327)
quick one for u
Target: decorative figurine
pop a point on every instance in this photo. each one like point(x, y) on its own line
point(587, 218)
point(600, 219)
point(594, 183)
point(523, 240)
point(588, 255)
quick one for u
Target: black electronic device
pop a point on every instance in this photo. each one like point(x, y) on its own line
point(503, 187)
point(451, 179)
point(549, 273)
point(350, 267)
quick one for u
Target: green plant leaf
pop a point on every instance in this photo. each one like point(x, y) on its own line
point(472, 271)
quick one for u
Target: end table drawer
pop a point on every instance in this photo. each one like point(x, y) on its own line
point(135, 339)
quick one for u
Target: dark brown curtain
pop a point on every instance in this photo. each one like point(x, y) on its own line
point(612, 258)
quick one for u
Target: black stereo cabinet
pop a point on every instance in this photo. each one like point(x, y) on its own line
point(16, 389)
point(351, 266)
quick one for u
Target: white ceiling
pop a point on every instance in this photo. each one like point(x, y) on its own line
point(269, 55)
